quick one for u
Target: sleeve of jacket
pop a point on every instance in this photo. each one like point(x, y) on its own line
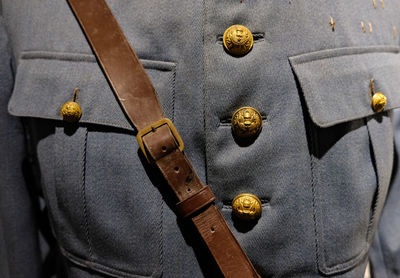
point(385, 252)
point(19, 248)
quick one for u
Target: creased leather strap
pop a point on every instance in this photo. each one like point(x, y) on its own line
point(195, 202)
point(138, 98)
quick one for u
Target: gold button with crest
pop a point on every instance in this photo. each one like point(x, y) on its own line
point(238, 40)
point(246, 207)
point(379, 102)
point(71, 111)
point(246, 122)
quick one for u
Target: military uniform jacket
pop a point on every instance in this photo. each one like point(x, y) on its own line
point(321, 166)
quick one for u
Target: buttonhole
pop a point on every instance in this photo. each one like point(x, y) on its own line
point(228, 121)
point(227, 204)
point(257, 37)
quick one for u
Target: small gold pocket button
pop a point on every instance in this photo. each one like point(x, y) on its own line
point(379, 102)
point(71, 112)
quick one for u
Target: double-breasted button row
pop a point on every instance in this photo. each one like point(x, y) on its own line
point(246, 124)
point(246, 121)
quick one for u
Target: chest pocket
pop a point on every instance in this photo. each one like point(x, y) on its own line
point(105, 211)
point(351, 146)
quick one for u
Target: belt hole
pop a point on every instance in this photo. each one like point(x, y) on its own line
point(188, 190)
point(164, 148)
point(212, 229)
point(176, 169)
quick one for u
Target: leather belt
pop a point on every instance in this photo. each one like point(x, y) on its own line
point(157, 136)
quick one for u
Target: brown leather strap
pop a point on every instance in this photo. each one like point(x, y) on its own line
point(195, 202)
point(160, 142)
point(119, 62)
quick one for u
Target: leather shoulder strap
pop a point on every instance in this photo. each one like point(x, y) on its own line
point(157, 136)
point(119, 62)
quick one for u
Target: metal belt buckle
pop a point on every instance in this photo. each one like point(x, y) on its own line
point(152, 128)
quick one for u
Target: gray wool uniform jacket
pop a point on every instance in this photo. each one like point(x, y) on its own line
point(80, 200)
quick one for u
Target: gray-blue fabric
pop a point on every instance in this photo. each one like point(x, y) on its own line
point(324, 164)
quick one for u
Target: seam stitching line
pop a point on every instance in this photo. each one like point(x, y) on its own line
point(376, 197)
point(173, 93)
point(312, 142)
point(86, 223)
point(204, 90)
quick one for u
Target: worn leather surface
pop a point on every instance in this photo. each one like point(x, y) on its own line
point(139, 100)
point(119, 62)
point(195, 202)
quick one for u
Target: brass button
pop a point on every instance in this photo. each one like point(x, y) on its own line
point(71, 112)
point(246, 122)
point(238, 40)
point(379, 102)
point(246, 207)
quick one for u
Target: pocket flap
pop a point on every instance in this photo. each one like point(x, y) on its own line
point(336, 82)
point(45, 81)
